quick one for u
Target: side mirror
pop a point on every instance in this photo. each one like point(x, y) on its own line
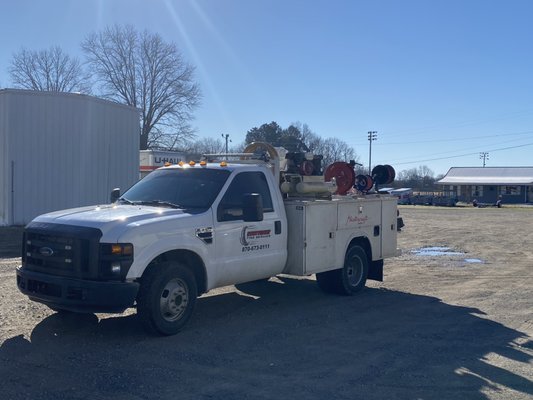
point(252, 207)
point(115, 194)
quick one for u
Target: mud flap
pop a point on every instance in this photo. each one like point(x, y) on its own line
point(399, 224)
point(375, 272)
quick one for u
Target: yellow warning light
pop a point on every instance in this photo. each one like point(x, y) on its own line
point(192, 163)
point(181, 163)
point(167, 164)
point(203, 163)
point(122, 249)
point(223, 164)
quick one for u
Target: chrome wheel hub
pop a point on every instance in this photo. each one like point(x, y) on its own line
point(174, 300)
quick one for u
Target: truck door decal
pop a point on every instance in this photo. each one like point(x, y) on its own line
point(251, 238)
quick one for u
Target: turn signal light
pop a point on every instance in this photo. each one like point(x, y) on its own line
point(122, 249)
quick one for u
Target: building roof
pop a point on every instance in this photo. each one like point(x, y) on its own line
point(488, 176)
point(71, 95)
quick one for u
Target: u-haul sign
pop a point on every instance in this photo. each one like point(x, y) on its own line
point(153, 159)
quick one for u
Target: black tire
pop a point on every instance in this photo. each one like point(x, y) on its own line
point(350, 279)
point(166, 298)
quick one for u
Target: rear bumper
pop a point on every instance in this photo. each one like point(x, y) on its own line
point(76, 295)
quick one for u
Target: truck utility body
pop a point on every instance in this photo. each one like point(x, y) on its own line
point(189, 228)
point(320, 232)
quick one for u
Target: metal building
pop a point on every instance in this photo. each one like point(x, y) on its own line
point(62, 150)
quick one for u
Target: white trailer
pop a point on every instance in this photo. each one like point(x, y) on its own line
point(62, 150)
point(150, 160)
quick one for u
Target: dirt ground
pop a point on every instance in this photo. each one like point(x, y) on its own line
point(452, 326)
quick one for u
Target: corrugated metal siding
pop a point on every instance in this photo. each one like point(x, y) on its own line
point(5, 188)
point(69, 150)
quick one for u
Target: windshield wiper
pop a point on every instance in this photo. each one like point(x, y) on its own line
point(126, 201)
point(157, 203)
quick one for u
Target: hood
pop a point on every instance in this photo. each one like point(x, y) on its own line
point(109, 216)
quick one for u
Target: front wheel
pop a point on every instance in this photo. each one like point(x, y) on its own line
point(167, 297)
point(351, 278)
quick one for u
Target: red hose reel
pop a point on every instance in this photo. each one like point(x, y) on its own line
point(345, 177)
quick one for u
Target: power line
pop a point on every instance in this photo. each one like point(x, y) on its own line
point(462, 155)
point(478, 121)
point(461, 139)
point(455, 151)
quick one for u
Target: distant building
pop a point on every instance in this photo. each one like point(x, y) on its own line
point(513, 185)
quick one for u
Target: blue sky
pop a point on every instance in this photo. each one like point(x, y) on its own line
point(440, 81)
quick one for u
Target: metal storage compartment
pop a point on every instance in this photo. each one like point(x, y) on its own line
point(311, 236)
point(319, 231)
point(62, 150)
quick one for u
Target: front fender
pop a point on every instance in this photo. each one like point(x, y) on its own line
point(145, 253)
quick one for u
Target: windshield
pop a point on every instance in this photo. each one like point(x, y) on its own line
point(179, 188)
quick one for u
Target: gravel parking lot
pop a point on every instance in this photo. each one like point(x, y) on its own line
point(454, 322)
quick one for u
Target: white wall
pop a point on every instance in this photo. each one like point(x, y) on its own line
point(68, 150)
point(5, 187)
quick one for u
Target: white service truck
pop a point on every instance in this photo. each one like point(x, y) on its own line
point(188, 228)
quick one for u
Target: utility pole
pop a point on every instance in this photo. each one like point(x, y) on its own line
point(484, 155)
point(226, 137)
point(372, 135)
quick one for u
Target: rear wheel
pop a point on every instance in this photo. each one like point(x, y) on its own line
point(351, 278)
point(166, 298)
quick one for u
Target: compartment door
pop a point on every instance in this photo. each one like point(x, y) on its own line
point(320, 232)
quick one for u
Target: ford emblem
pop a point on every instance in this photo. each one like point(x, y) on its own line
point(46, 251)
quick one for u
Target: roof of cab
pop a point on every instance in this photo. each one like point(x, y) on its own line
point(227, 165)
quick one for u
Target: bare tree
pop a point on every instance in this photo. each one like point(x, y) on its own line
point(48, 70)
point(421, 178)
point(206, 146)
point(333, 149)
point(142, 70)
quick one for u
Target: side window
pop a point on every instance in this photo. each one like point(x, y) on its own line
point(230, 207)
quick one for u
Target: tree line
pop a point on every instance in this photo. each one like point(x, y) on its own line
point(297, 137)
point(420, 178)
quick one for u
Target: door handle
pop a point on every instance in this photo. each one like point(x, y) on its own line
point(277, 227)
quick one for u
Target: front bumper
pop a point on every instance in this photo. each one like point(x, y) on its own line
point(77, 295)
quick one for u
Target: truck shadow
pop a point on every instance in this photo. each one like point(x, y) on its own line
point(277, 339)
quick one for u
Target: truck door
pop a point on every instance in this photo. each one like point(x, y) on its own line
point(248, 251)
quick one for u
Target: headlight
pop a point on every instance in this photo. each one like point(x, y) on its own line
point(115, 260)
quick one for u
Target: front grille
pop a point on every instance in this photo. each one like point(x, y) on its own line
point(53, 252)
point(61, 250)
